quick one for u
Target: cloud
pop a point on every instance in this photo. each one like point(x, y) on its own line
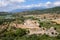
point(32, 5)
point(57, 3)
point(3, 3)
point(48, 4)
point(17, 0)
point(9, 2)
point(51, 4)
point(13, 7)
point(9, 5)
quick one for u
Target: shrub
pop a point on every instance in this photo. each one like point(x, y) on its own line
point(20, 32)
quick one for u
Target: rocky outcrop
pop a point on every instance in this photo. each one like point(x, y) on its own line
point(57, 21)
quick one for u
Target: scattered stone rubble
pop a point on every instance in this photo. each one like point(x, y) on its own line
point(33, 27)
point(52, 32)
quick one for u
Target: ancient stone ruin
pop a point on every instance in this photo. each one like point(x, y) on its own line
point(33, 27)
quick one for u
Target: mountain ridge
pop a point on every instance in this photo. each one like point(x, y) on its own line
point(49, 10)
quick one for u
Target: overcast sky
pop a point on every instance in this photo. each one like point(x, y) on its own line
point(9, 5)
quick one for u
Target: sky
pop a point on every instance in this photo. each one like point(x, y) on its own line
point(9, 5)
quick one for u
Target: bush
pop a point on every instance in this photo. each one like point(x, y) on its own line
point(20, 32)
point(13, 33)
point(58, 37)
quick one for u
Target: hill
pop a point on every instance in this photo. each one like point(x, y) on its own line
point(33, 11)
point(5, 13)
point(49, 10)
